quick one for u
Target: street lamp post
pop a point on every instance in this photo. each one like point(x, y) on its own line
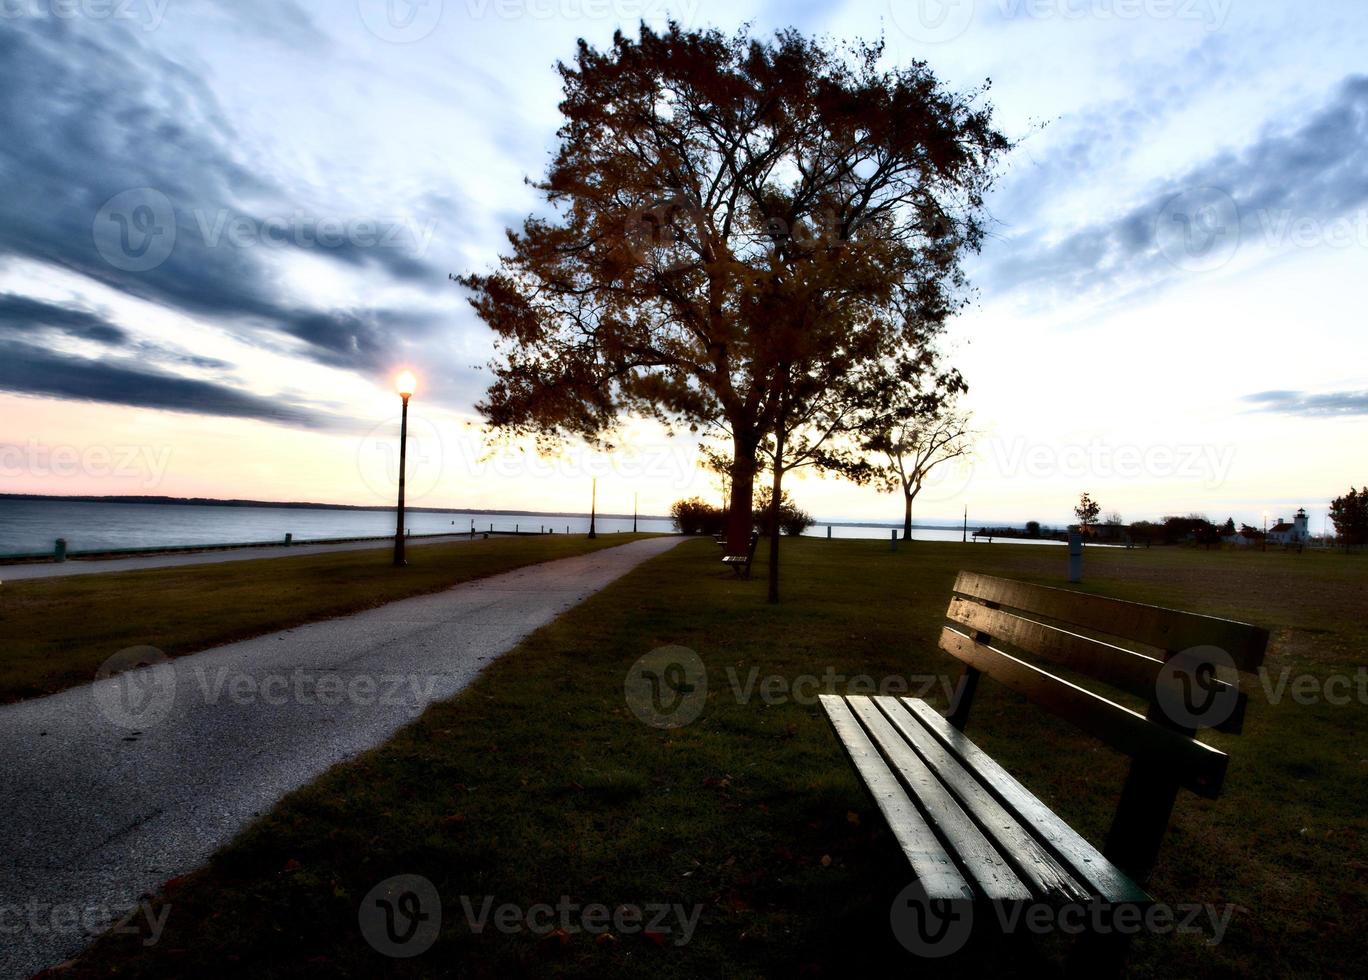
point(405, 383)
point(635, 497)
point(593, 508)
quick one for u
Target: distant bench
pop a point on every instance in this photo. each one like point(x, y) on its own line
point(741, 564)
point(970, 831)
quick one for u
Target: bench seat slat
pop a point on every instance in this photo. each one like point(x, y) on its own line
point(1047, 878)
point(933, 867)
point(1088, 864)
point(987, 869)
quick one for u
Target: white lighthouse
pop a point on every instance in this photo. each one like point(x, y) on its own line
point(1296, 532)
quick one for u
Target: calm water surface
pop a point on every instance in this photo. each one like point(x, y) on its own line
point(33, 525)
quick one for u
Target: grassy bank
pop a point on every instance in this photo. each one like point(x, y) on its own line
point(57, 632)
point(539, 783)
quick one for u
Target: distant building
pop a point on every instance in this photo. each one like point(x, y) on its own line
point(1293, 533)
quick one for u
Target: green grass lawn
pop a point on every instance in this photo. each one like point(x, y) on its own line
point(539, 783)
point(57, 632)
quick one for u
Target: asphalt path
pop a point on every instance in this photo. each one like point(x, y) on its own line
point(113, 788)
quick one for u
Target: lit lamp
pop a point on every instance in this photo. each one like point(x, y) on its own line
point(406, 383)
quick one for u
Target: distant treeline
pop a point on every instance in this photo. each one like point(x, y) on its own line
point(1033, 531)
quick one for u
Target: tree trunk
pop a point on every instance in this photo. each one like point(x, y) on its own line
point(777, 495)
point(907, 516)
point(739, 523)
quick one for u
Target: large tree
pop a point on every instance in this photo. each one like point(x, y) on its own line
point(731, 222)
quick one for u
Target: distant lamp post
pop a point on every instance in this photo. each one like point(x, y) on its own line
point(406, 384)
point(635, 498)
point(1265, 534)
point(593, 507)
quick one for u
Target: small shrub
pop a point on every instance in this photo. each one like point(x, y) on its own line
point(696, 516)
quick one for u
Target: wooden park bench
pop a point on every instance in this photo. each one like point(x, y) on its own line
point(741, 564)
point(973, 833)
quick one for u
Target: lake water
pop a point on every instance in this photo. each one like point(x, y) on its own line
point(33, 525)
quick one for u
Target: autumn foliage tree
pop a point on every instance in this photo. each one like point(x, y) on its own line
point(733, 224)
point(1349, 514)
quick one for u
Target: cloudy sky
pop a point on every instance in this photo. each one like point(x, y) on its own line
point(223, 227)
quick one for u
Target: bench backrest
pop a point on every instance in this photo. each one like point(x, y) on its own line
point(1005, 629)
point(1181, 664)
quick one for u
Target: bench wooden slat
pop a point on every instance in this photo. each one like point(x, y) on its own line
point(1037, 866)
point(1164, 629)
point(1194, 765)
point(988, 870)
point(932, 866)
point(1085, 862)
point(1126, 670)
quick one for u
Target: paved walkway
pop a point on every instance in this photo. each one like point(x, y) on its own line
point(93, 566)
point(113, 788)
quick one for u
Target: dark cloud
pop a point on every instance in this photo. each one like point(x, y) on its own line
point(25, 315)
point(1315, 171)
point(92, 115)
point(28, 369)
point(1333, 403)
